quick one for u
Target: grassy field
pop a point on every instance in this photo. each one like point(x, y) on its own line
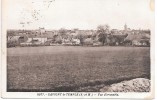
point(59, 68)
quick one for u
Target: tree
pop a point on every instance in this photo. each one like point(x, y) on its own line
point(102, 31)
point(63, 33)
point(81, 38)
point(62, 30)
point(58, 40)
point(88, 41)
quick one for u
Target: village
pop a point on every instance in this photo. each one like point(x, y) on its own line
point(102, 36)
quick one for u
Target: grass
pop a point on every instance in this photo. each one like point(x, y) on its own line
point(59, 68)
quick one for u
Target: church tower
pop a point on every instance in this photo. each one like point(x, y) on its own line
point(125, 28)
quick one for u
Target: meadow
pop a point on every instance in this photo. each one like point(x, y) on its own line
point(69, 68)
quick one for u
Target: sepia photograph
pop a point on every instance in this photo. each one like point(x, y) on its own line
point(78, 46)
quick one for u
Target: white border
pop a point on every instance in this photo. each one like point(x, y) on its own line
point(6, 94)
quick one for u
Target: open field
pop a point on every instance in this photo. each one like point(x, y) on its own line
point(59, 68)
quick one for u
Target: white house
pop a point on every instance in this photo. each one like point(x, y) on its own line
point(36, 40)
point(40, 39)
point(136, 43)
point(75, 41)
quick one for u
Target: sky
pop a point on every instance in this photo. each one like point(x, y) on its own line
point(82, 14)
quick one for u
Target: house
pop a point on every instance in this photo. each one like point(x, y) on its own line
point(34, 39)
point(88, 41)
point(145, 42)
point(114, 31)
point(136, 43)
point(66, 42)
point(26, 44)
point(75, 41)
point(37, 40)
point(42, 30)
point(73, 34)
point(97, 43)
point(40, 39)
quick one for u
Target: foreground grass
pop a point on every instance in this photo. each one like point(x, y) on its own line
point(69, 68)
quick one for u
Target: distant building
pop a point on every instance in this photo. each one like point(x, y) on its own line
point(125, 28)
point(76, 41)
point(42, 30)
point(35, 40)
point(66, 42)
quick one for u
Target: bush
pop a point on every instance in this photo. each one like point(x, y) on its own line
point(88, 41)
